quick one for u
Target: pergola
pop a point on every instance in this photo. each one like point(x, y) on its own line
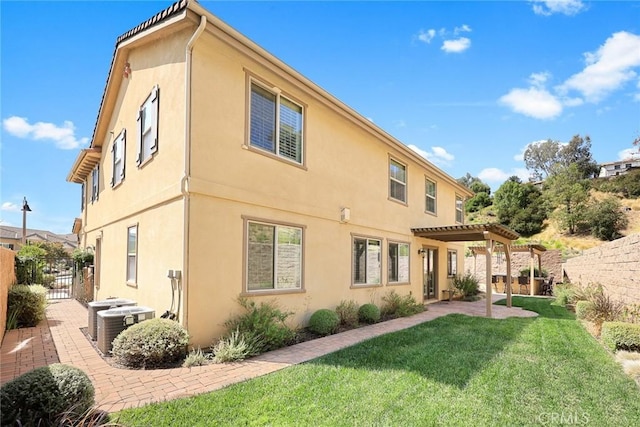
point(493, 234)
point(534, 249)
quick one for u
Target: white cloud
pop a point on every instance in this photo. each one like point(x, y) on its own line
point(539, 79)
point(533, 102)
point(629, 153)
point(610, 67)
point(457, 45)
point(438, 155)
point(463, 29)
point(549, 7)
point(489, 175)
point(10, 207)
point(426, 36)
point(62, 136)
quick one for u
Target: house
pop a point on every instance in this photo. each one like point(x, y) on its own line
point(216, 171)
point(620, 167)
point(11, 238)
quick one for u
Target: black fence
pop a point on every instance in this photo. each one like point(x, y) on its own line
point(55, 274)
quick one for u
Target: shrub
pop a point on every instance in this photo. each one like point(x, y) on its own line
point(584, 310)
point(369, 313)
point(536, 272)
point(263, 324)
point(324, 322)
point(467, 285)
point(621, 336)
point(564, 294)
point(41, 395)
point(235, 346)
point(26, 305)
point(152, 343)
point(400, 306)
point(631, 313)
point(606, 218)
point(605, 309)
point(348, 313)
point(48, 280)
point(196, 357)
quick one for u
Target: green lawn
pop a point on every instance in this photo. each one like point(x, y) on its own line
point(455, 370)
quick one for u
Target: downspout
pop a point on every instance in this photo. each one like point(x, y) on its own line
point(184, 184)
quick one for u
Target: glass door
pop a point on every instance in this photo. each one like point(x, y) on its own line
point(429, 278)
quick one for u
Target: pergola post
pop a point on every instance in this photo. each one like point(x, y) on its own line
point(532, 272)
point(507, 253)
point(488, 259)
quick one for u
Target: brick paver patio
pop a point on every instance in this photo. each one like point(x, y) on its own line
point(60, 339)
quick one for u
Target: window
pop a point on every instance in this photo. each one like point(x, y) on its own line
point(398, 262)
point(367, 266)
point(430, 194)
point(132, 254)
point(459, 209)
point(274, 257)
point(148, 126)
point(616, 167)
point(452, 263)
point(118, 150)
point(95, 183)
point(83, 196)
point(272, 114)
point(7, 245)
point(397, 181)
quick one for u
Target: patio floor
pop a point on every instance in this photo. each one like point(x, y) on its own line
point(60, 339)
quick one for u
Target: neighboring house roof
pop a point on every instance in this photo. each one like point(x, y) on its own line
point(15, 233)
point(177, 17)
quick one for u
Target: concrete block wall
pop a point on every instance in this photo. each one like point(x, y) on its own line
point(615, 265)
point(551, 262)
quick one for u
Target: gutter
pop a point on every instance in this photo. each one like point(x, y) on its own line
point(184, 185)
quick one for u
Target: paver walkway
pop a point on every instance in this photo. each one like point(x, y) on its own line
point(59, 339)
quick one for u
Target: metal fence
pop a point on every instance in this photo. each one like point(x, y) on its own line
point(55, 274)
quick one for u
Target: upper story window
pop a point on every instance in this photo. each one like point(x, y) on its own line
point(148, 126)
point(274, 257)
point(276, 124)
point(616, 167)
point(459, 209)
point(367, 261)
point(397, 181)
point(430, 196)
point(118, 152)
point(83, 196)
point(398, 262)
point(95, 183)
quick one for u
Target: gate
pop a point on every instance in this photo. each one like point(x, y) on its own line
point(55, 274)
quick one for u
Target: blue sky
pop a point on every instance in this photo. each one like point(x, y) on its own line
point(467, 84)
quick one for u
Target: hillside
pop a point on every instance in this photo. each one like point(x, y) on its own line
point(552, 238)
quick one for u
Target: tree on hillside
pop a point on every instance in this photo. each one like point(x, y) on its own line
point(520, 206)
point(606, 218)
point(568, 190)
point(541, 157)
point(578, 152)
point(482, 197)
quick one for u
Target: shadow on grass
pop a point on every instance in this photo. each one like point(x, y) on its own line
point(542, 306)
point(450, 349)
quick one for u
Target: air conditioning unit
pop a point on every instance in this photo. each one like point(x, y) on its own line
point(96, 306)
point(115, 320)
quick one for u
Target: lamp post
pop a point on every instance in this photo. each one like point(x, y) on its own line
point(25, 209)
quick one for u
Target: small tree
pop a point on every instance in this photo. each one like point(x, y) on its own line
point(606, 219)
point(29, 264)
point(520, 206)
point(569, 191)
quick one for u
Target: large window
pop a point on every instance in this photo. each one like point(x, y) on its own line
point(95, 183)
point(430, 196)
point(367, 259)
point(452, 263)
point(274, 257)
point(276, 124)
point(148, 126)
point(83, 196)
point(397, 181)
point(459, 209)
point(398, 262)
point(132, 254)
point(118, 150)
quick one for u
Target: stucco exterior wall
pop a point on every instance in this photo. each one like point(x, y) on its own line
point(7, 279)
point(615, 265)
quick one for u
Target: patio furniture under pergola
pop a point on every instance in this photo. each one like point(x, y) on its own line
point(535, 249)
point(493, 235)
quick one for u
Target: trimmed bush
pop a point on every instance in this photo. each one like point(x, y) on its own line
point(234, 347)
point(584, 310)
point(26, 304)
point(324, 322)
point(369, 313)
point(621, 336)
point(400, 306)
point(40, 396)
point(264, 325)
point(348, 313)
point(152, 343)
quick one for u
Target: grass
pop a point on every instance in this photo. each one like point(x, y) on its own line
point(455, 370)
